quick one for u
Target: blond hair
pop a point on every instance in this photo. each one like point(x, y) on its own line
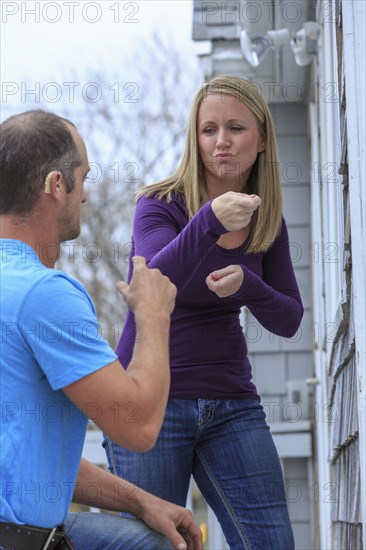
point(264, 179)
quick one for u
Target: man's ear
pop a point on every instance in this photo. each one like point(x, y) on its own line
point(52, 179)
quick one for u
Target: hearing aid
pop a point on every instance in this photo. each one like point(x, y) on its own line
point(47, 181)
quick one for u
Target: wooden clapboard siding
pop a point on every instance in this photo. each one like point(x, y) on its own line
point(342, 372)
point(339, 204)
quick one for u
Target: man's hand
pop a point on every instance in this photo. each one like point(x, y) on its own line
point(235, 210)
point(118, 495)
point(148, 289)
point(172, 521)
point(225, 282)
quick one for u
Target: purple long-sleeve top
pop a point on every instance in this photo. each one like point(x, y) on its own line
point(208, 351)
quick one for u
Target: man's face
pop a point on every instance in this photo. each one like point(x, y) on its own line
point(69, 218)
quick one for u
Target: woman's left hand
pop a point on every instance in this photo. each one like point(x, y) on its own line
point(225, 282)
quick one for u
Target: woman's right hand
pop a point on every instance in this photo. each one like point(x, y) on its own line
point(235, 210)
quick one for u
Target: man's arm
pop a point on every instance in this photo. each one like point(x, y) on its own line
point(116, 494)
point(131, 404)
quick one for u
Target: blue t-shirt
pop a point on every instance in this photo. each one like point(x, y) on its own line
point(49, 339)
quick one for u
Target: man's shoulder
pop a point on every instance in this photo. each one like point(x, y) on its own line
point(30, 291)
point(22, 269)
point(57, 287)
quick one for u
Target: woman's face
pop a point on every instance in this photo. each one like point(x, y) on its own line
point(229, 140)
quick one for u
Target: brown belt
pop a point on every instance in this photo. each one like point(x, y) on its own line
point(29, 537)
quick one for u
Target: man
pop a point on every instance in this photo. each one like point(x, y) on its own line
point(55, 372)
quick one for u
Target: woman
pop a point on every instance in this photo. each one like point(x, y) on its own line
point(215, 227)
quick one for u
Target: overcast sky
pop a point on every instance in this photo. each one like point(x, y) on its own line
point(45, 44)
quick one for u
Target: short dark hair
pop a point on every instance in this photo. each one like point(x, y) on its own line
point(32, 144)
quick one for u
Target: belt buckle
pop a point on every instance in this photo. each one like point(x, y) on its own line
point(49, 539)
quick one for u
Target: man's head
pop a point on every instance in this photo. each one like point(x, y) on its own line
point(43, 164)
point(33, 144)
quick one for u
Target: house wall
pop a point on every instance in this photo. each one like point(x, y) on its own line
point(338, 212)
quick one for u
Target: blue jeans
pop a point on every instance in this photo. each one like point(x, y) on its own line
point(227, 447)
point(88, 531)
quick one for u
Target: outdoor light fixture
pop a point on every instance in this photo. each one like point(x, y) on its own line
point(303, 43)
